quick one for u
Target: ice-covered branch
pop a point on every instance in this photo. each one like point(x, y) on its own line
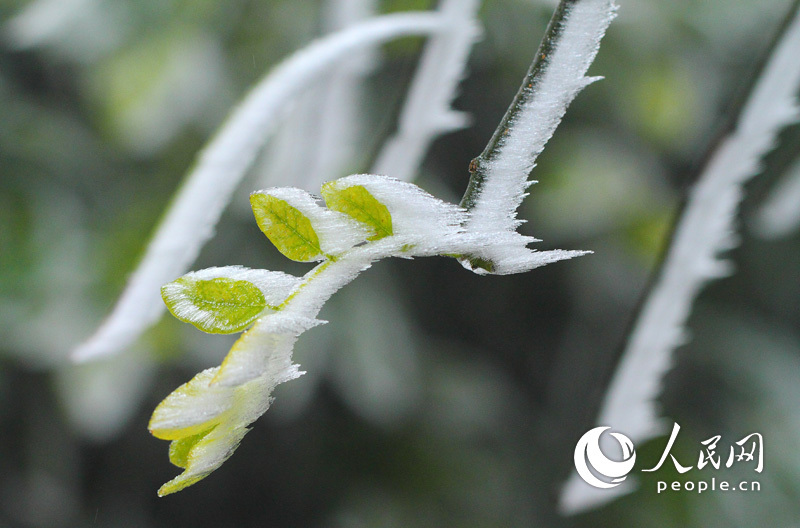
point(368, 218)
point(704, 231)
point(191, 218)
point(500, 174)
point(427, 112)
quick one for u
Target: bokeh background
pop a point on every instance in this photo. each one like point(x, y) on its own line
point(434, 397)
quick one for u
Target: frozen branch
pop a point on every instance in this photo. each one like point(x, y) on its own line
point(428, 111)
point(500, 174)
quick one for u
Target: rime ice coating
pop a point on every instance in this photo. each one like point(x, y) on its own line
point(206, 423)
point(268, 287)
point(705, 230)
point(542, 108)
point(336, 232)
point(415, 213)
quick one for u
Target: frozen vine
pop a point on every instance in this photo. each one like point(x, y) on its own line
point(500, 173)
point(366, 218)
point(704, 231)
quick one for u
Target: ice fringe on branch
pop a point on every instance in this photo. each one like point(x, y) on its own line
point(368, 217)
point(190, 220)
point(705, 229)
point(779, 215)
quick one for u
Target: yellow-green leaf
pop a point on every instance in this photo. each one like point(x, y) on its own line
point(206, 422)
point(286, 227)
point(205, 455)
point(179, 449)
point(217, 306)
point(357, 202)
point(192, 409)
point(180, 482)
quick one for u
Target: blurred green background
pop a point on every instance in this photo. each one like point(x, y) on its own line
point(434, 397)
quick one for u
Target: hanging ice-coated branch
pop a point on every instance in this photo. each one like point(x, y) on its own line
point(705, 229)
point(366, 218)
point(427, 112)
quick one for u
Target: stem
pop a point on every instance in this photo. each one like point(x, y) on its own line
point(319, 268)
point(499, 176)
point(527, 89)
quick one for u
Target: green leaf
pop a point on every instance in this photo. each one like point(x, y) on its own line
point(206, 422)
point(180, 482)
point(286, 227)
point(217, 306)
point(206, 454)
point(357, 202)
point(179, 449)
point(194, 408)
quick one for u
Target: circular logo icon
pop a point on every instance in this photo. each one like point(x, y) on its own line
point(588, 453)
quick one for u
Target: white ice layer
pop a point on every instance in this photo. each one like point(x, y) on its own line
point(251, 400)
point(190, 221)
point(512, 257)
point(275, 285)
point(705, 230)
point(215, 449)
point(506, 173)
point(414, 211)
point(435, 227)
point(265, 350)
